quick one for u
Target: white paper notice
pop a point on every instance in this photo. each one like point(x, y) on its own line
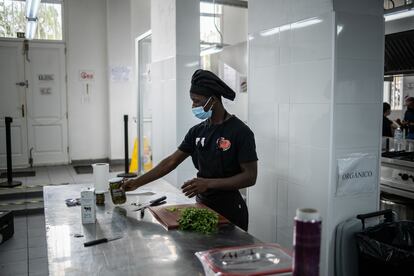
point(120, 73)
point(357, 174)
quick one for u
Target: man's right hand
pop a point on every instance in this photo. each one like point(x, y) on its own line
point(129, 185)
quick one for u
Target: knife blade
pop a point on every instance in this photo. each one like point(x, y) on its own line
point(151, 203)
point(98, 241)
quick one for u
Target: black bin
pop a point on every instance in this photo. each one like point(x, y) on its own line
point(6, 225)
point(386, 248)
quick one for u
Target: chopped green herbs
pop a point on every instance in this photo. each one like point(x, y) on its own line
point(198, 219)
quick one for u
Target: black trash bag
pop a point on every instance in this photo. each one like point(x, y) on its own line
point(387, 249)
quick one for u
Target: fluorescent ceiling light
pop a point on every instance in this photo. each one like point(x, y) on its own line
point(31, 26)
point(31, 8)
point(398, 15)
point(270, 32)
point(306, 23)
point(296, 25)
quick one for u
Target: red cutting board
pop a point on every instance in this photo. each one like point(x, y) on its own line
point(169, 219)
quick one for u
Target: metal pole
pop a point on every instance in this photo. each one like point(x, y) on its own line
point(126, 173)
point(10, 183)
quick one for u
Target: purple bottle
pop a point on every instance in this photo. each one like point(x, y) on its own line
point(306, 243)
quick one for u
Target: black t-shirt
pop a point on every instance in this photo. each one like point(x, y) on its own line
point(217, 152)
point(386, 127)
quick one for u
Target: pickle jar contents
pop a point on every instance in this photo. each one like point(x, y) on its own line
point(118, 195)
point(100, 198)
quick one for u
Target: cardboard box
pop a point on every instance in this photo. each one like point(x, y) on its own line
point(88, 206)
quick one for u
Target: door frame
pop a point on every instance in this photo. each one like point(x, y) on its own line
point(140, 115)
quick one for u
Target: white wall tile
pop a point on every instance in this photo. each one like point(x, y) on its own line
point(359, 37)
point(282, 203)
point(285, 45)
point(266, 152)
point(306, 197)
point(309, 125)
point(265, 14)
point(262, 86)
point(282, 163)
point(303, 9)
point(169, 68)
point(285, 237)
point(282, 84)
point(357, 126)
point(311, 82)
point(264, 51)
point(311, 39)
point(372, 7)
point(283, 126)
point(263, 119)
point(309, 167)
point(358, 81)
point(262, 217)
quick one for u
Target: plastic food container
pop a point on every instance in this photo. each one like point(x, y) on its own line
point(118, 196)
point(257, 259)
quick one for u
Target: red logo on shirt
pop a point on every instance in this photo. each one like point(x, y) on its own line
point(223, 144)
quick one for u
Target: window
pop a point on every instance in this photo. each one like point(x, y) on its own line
point(210, 21)
point(12, 19)
point(393, 93)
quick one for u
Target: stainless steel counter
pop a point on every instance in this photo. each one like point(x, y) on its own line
point(146, 247)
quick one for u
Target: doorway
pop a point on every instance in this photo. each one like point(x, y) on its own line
point(33, 93)
point(145, 101)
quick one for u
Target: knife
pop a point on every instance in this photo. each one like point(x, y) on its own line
point(151, 203)
point(98, 241)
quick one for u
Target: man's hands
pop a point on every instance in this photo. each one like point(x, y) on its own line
point(195, 186)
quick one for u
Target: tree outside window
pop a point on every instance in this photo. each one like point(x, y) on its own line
point(12, 19)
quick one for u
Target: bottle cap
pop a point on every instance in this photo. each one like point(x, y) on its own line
point(307, 214)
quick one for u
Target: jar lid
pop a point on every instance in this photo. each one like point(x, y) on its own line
point(115, 179)
point(307, 214)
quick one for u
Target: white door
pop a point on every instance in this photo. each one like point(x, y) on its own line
point(46, 103)
point(13, 102)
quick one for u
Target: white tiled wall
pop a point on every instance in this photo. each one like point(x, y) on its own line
point(315, 88)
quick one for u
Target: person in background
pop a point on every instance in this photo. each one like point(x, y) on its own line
point(221, 147)
point(388, 126)
point(408, 121)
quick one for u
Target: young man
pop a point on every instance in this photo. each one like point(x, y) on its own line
point(222, 149)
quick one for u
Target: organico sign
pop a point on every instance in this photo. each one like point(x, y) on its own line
point(357, 174)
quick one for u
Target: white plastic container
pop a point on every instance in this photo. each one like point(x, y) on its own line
point(88, 207)
point(252, 260)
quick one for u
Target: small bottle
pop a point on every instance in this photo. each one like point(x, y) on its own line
point(117, 194)
point(306, 242)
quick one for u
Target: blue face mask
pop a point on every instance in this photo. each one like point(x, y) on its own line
point(200, 113)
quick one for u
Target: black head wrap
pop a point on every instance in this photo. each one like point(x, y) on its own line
point(206, 83)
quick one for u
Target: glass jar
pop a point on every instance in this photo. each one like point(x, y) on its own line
point(117, 194)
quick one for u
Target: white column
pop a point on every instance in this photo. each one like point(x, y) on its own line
point(315, 92)
point(175, 56)
point(122, 96)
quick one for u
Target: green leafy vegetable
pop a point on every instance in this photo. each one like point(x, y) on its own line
point(198, 219)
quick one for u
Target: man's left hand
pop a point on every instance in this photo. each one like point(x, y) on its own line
point(195, 186)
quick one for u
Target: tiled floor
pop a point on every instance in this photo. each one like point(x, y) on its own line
point(26, 252)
